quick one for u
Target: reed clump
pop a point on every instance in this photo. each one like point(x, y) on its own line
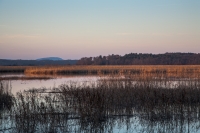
point(124, 98)
point(6, 98)
point(33, 109)
point(106, 99)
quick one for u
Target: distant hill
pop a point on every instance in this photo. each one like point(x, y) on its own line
point(4, 62)
point(51, 58)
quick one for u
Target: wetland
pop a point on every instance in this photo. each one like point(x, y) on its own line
point(115, 99)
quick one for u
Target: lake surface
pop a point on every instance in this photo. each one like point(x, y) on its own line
point(21, 85)
point(56, 80)
point(182, 118)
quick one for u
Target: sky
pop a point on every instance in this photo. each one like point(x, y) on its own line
point(71, 29)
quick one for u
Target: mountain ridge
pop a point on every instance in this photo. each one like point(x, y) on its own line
point(50, 58)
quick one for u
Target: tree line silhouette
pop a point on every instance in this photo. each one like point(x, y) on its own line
point(143, 59)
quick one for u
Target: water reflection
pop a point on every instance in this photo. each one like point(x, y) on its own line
point(52, 82)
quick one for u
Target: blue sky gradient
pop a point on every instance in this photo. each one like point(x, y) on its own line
point(72, 29)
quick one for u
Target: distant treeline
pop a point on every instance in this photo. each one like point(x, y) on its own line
point(143, 59)
point(127, 59)
point(4, 62)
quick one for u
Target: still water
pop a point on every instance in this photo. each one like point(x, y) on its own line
point(55, 81)
point(16, 84)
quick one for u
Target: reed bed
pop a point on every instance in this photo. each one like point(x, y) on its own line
point(120, 70)
point(89, 106)
point(169, 70)
point(13, 69)
point(125, 98)
point(6, 98)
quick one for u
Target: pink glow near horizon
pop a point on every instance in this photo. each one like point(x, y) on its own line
point(71, 30)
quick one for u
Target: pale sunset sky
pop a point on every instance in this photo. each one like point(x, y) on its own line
point(71, 29)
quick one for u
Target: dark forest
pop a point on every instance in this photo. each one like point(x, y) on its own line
point(143, 59)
